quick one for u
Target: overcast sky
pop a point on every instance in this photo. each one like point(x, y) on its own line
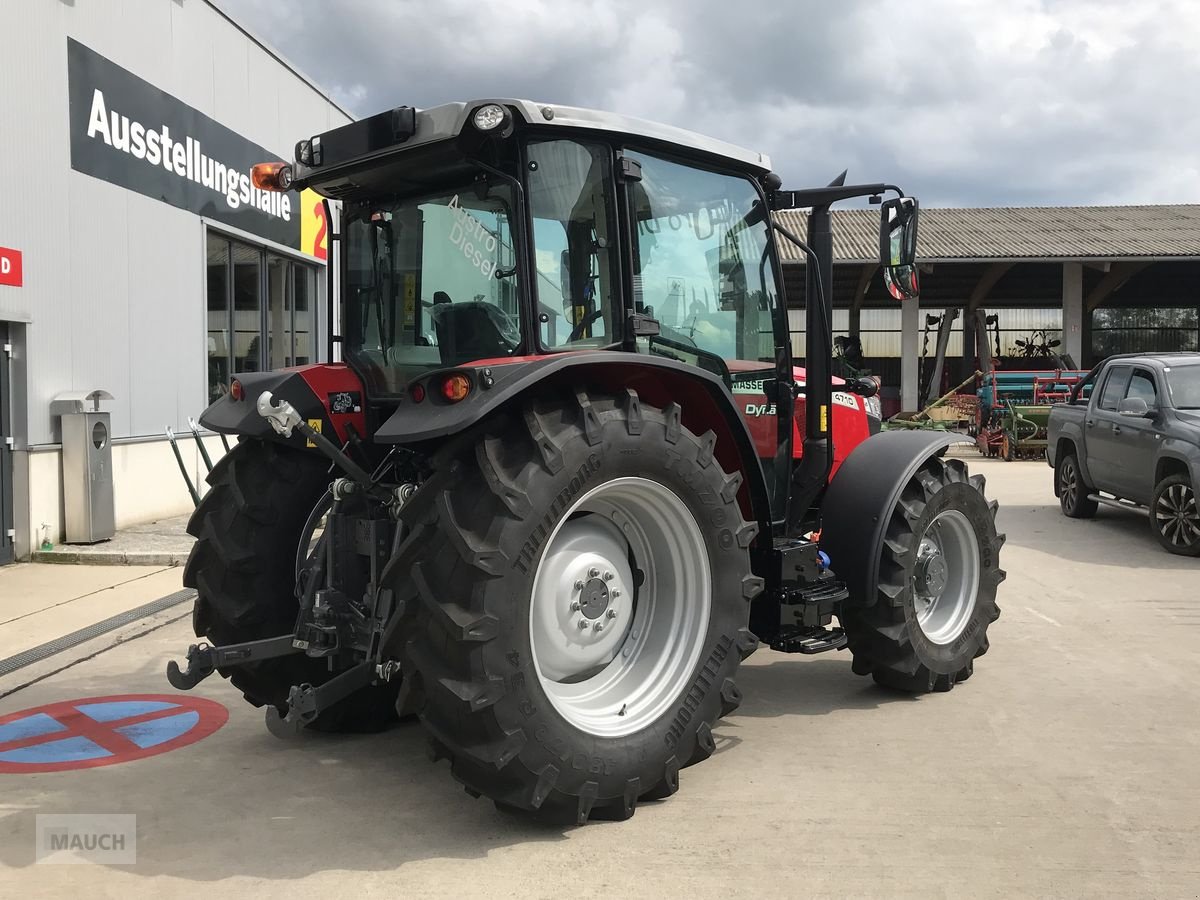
point(961, 102)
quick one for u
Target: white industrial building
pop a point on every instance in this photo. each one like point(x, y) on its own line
point(135, 256)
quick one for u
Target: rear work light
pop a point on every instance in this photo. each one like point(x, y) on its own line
point(456, 387)
point(272, 176)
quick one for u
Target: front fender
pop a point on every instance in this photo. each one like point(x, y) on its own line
point(705, 402)
point(859, 501)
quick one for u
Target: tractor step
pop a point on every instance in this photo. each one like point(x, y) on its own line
point(810, 640)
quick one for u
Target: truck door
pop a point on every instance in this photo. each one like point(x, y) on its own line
point(1099, 442)
point(1136, 441)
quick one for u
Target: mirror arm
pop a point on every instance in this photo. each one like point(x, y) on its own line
point(824, 196)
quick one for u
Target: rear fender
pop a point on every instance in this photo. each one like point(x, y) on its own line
point(859, 501)
point(705, 402)
point(328, 397)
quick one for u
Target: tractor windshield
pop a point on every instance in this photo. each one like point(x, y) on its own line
point(430, 282)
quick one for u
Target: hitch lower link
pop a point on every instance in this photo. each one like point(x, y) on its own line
point(305, 702)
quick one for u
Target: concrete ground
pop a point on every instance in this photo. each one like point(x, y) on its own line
point(1066, 767)
point(164, 542)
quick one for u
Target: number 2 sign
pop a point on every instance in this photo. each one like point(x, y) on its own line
point(313, 227)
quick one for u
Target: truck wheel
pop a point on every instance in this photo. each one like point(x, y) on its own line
point(938, 576)
point(247, 531)
point(1072, 490)
point(582, 582)
point(1174, 516)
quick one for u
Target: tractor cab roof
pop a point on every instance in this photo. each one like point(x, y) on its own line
point(406, 144)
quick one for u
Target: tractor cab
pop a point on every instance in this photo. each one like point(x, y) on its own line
point(503, 230)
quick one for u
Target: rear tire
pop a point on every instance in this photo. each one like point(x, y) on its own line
point(1174, 516)
point(1073, 491)
point(938, 576)
point(532, 714)
point(247, 531)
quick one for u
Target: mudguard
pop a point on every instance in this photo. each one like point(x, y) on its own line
point(860, 499)
point(703, 397)
point(327, 394)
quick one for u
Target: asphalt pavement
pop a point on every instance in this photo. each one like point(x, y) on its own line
point(1067, 767)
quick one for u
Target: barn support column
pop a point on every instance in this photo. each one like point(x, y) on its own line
point(1072, 308)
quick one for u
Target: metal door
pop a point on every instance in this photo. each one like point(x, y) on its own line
point(6, 451)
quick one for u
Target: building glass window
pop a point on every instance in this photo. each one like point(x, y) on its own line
point(261, 309)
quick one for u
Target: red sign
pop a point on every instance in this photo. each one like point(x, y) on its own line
point(103, 731)
point(10, 266)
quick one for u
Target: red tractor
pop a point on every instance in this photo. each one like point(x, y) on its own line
point(566, 477)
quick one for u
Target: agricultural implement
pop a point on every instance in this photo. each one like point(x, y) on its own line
point(568, 476)
point(1014, 408)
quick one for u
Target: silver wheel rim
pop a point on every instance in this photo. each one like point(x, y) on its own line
point(1069, 484)
point(946, 577)
point(1177, 517)
point(614, 644)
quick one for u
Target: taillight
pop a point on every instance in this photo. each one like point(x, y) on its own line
point(417, 392)
point(455, 387)
point(236, 391)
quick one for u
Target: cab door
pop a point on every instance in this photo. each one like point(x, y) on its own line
point(704, 268)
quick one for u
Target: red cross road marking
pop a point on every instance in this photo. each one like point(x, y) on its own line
point(78, 729)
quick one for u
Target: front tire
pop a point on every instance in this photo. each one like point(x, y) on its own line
point(1174, 516)
point(551, 519)
point(936, 596)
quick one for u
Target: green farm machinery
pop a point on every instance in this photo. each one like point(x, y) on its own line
point(1014, 408)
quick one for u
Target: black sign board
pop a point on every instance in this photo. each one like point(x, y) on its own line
point(129, 133)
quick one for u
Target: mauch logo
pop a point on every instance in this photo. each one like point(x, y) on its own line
point(79, 839)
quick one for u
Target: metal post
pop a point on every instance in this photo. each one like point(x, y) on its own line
point(910, 319)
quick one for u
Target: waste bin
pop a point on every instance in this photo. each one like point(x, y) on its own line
point(86, 466)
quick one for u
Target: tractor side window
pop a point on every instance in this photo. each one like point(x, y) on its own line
point(574, 236)
point(702, 263)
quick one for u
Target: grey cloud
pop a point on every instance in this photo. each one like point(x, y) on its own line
point(963, 102)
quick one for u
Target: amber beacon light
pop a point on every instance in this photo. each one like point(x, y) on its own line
point(272, 176)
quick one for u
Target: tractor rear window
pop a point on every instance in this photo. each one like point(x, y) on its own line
point(430, 282)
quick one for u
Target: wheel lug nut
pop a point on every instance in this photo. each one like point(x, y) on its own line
point(579, 585)
point(583, 624)
point(615, 593)
point(612, 614)
point(599, 626)
point(593, 573)
point(608, 576)
point(575, 606)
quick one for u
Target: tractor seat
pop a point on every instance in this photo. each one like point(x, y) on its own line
point(468, 331)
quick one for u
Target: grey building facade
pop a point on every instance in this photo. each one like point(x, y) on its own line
point(135, 255)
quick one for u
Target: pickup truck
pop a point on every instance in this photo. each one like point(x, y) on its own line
point(1130, 436)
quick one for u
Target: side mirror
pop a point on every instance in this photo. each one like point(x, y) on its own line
point(898, 247)
point(1134, 407)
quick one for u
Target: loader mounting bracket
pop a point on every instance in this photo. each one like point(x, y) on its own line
point(203, 659)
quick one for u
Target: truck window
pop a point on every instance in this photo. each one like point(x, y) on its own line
point(1141, 386)
point(1114, 387)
